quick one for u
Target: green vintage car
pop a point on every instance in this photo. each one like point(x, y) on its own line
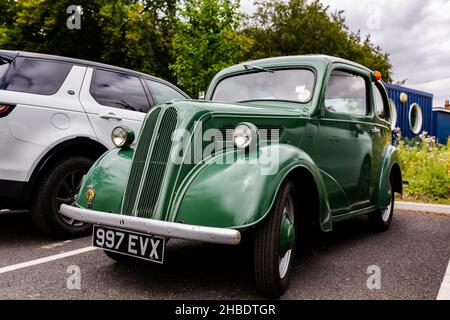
point(279, 145)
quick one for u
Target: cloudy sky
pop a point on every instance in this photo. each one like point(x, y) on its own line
point(416, 33)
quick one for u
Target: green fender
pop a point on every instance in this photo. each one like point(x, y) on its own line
point(237, 195)
point(390, 164)
point(108, 177)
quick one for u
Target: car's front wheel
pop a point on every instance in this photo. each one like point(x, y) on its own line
point(59, 185)
point(275, 244)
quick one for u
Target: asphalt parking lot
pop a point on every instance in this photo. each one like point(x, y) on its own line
point(412, 258)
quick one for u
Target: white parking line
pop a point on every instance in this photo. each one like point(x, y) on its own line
point(444, 292)
point(46, 259)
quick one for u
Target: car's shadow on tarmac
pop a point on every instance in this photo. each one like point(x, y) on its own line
point(202, 271)
point(16, 227)
point(17, 230)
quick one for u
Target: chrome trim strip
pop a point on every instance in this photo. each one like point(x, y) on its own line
point(154, 227)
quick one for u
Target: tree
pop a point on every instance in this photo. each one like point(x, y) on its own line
point(298, 27)
point(207, 41)
point(138, 35)
point(183, 41)
point(134, 34)
point(40, 26)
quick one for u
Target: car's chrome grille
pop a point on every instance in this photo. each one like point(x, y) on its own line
point(137, 167)
point(156, 165)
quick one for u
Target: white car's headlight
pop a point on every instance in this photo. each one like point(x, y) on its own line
point(122, 136)
point(243, 135)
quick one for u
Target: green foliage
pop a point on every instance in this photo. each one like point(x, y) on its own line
point(206, 42)
point(129, 33)
point(40, 26)
point(183, 41)
point(298, 27)
point(426, 166)
point(138, 35)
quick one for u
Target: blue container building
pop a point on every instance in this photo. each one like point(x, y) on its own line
point(441, 124)
point(414, 112)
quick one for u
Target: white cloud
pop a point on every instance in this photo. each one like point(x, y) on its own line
point(415, 32)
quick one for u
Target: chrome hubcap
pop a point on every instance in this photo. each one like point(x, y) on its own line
point(386, 213)
point(285, 260)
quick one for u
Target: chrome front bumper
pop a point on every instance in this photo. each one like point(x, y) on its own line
point(154, 227)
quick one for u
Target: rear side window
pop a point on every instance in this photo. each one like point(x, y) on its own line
point(346, 93)
point(163, 93)
point(380, 105)
point(3, 67)
point(35, 76)
point(119, 90)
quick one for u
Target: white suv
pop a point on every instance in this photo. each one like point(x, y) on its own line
point(56, 118)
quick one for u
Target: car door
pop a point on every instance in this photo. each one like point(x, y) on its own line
point(47, 112)
point(380, 130)
point(112, 98)
point(344, 149)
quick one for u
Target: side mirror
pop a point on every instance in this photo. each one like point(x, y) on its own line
point(201, 95)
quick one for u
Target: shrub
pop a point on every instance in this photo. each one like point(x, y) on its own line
point(426, 166)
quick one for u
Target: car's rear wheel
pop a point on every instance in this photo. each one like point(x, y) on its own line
point(60, 184)
point(381, 219)
point(275, 244)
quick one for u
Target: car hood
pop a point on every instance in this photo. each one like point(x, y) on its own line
point(254, 108)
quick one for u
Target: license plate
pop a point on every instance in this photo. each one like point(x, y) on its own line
point(138, 245)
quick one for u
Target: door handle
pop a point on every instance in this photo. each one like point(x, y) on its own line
point(110, 115)
point(375, 130)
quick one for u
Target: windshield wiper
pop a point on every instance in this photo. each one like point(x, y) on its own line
point(249, 66)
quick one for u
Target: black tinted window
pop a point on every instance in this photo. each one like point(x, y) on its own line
point(3, 67)
point(346, 93)
point(35, 76)
point(162, 92)
point(119, 90)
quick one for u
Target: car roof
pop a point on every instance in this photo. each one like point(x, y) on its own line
point(10, 55)
point(285, 61)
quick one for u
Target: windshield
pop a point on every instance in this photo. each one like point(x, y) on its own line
point(289, 85)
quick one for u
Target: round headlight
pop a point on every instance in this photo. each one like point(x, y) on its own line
point(122, 136)
point(242, 136)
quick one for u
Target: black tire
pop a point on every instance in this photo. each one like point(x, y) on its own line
point(59, 184)
point(269, 280)
point(380, 220)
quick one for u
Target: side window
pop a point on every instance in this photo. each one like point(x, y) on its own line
point(119, 90)
point(3, 67)
point(346, 93)
point(35, 76)
point(162, 92)
point(380, 105)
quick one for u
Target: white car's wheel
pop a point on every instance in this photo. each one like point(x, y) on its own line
point(59, 185)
